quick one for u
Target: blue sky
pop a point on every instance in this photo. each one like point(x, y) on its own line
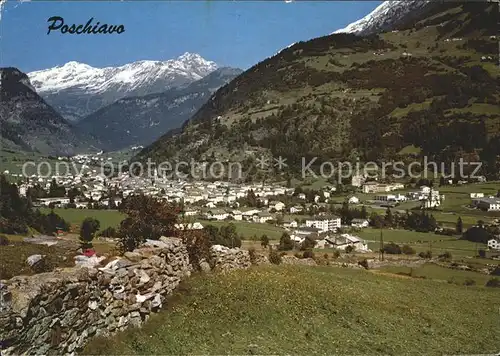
point(232, 33)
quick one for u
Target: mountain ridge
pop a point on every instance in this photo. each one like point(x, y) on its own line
point(139, 120)
point(369, 96)
point(77, 89)
point(29, 123)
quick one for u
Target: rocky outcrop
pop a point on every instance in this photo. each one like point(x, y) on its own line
point(56, 312)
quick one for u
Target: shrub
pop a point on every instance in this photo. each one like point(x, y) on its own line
point(43, 265)
point(198, 246)
point(349, 249)
point(325, 256)
point(87, 231)
point(147, 218)
point(274, 257)
point(286, 242)
point(363, 263)
point(4, 240)
point(308, 254)
point(445, 256)
point(253, 255)
point(494, 282)
point(408, 250)
point(469, 282)
point(297, 254)
point(336, 254)
point(427, 254)
point(108, 232)
point(392, 248)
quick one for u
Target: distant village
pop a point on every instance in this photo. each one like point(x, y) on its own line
point(298, 213)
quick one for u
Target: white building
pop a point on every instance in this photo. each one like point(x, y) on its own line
point(324, 223)
point(353, 200)
point(372, 187)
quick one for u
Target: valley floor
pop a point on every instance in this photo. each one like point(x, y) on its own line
point(316, 310)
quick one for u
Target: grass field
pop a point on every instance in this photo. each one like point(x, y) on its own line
point(249, 229)
point(443, 274)
point(316, 310)
point(107, 218)
point(421, 241)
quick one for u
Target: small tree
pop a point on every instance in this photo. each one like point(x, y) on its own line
point(4, 241)
point(274, 257)
point(308, 254)
point(87, 231)
point(349, 249)
point(460, 226)
point(445, 256)
point(308, 243)
point(392, 248)
point(494, 282)
point(286, 243)
point(427, 255)
point(264, 241)
point(408, 250)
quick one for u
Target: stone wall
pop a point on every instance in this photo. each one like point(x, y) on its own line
point(57, 312)
point(225, 259)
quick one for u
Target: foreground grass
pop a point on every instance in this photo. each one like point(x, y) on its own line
point(313, 310)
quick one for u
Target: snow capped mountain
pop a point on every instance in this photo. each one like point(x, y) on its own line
point(140, 120)
point(77, 89)
point(383, 17)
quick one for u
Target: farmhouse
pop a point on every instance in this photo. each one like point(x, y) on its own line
point(344, 240)
point(487, 204)
point(296, 209)
point(217, 214)
point(290, 224)
point(262, 217)
point(276, 205)
point(360, 223)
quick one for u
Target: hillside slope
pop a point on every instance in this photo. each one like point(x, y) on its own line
point(142, 120)
point(315, 311)
point(431, 82)
point(27, 122)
